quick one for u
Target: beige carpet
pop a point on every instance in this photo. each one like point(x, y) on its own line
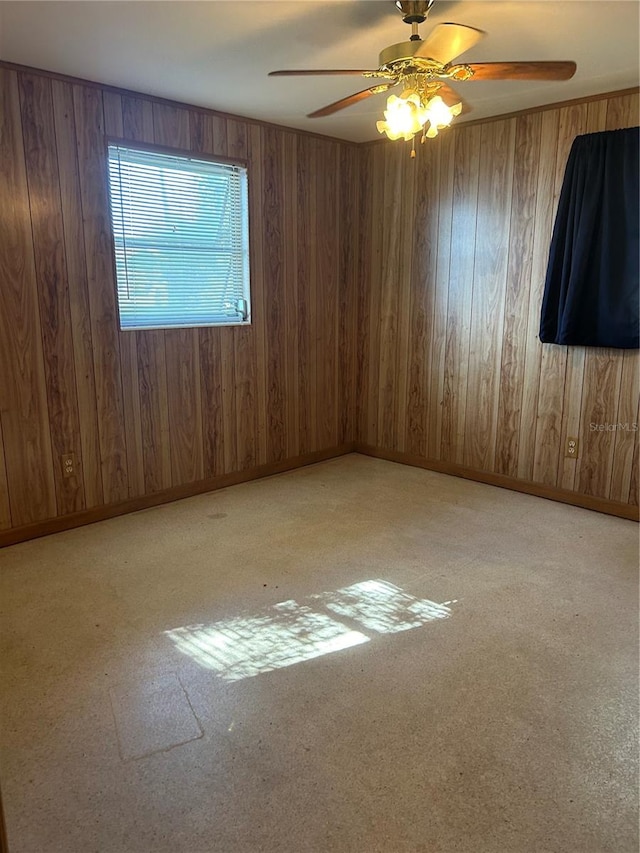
point(355, 656)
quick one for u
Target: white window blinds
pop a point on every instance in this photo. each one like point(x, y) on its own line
point(180, 229)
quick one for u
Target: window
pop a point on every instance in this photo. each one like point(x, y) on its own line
point(180, 228)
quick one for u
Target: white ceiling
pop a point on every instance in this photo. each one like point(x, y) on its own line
point(218, 54)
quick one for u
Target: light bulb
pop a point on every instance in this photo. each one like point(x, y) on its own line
point(404, 116)
point(440, 115)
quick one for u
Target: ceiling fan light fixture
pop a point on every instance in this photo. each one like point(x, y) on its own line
point(410, 114)
point(423, 68)
point(440, 115)
point(404, 116)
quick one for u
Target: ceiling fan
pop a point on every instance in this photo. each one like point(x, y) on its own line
point(423, 68)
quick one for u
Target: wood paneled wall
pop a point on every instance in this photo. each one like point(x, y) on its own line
point(150, 410)
point(395, 302)
point(454, 247)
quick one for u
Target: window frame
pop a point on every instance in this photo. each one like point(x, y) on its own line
point(244, 162)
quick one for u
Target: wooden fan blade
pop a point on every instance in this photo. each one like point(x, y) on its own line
point(522, 70)
point(446, 41)
point(451, 97)
point(312, 72)
point(352, 99)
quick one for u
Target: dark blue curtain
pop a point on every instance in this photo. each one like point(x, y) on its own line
point(591, 289)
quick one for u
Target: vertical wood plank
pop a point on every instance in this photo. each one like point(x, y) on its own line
point(389, 288)
point(333, 317)
point(376, 231)
point(407, 217)
point(571, 413)
point(171, 126)
point(516, 311)
point(112, 108)
point(291, 294)
point(246, 396)
point(349, 183)
point(244, 337)
point(541, 236)
point(325, 309)
point(423, 286)
point(132, 411)
point(625, 435)
point(364, 286)
point(51, 276)
point(440, 311)
point(23, 399)
point(114, 127)
point(212, 407)
point(602, 371)
point(306, 191)
point(208, 133)
point(258, 297)
point(623, 111)
point(101, 287)
point(489, 282)
point(154, 414)
point(200, 132)
point(273, 270)
point(185, 405)
point(236, 132)
point(553, 366)
point(462, 261)
point(219, 134)
point(305, 275)
point(72, 221)
point(137, 119)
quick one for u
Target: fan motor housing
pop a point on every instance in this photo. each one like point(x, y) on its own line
point(401, 52)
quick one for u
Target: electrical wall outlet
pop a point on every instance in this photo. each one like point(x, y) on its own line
point(571, 450)
point(68, 464)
